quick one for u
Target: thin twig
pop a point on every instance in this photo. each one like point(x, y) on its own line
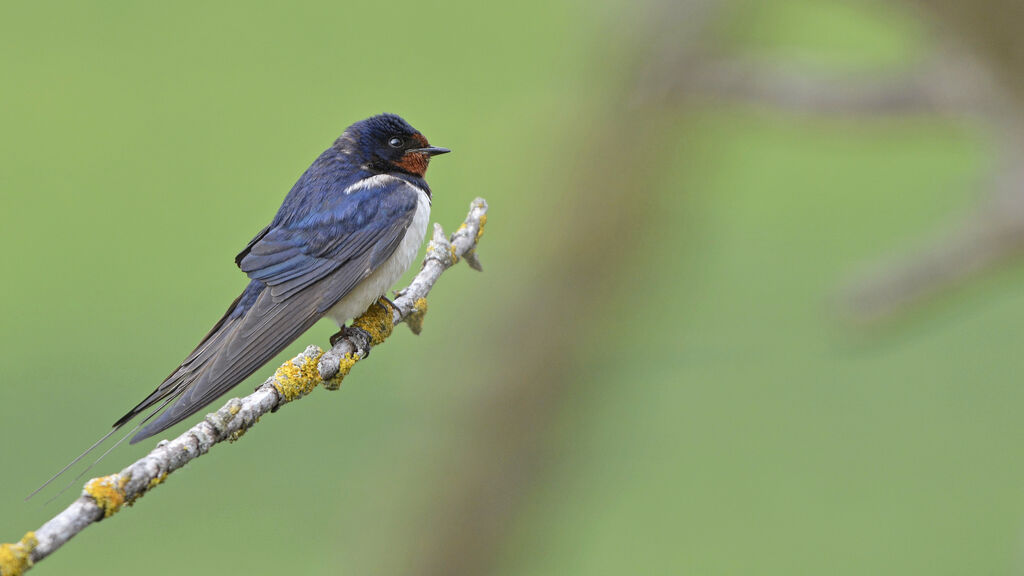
point(104, 496)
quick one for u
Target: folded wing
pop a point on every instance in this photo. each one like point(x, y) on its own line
point(298, 271)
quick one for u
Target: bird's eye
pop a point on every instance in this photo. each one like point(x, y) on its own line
point(395, 142)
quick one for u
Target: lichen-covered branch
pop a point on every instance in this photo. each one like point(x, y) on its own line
point(411, 304)
point(104, 496)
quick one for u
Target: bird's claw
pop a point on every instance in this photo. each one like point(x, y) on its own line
point(355, 335)
point(389, 303)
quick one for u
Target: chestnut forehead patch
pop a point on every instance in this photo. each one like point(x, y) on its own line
point(420, 140)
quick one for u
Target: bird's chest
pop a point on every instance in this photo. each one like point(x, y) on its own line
point(384, 277)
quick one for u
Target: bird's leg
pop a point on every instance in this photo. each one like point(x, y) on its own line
point(361, 338)
point(349, 331)
point(387, 302)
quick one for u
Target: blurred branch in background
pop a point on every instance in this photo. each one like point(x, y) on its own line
point(984, 36)
point(670, 63)
point(991, 236)
point(609, 197)
point(975, 72)
point(943, 85)
point(105, 496)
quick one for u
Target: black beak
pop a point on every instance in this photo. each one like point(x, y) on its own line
point(431, 150)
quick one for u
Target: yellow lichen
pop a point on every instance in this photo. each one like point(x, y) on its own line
point(415, 318)
point(237, 435)
point(451, 250)
point(344, 367)
point(16, 558)
point(107, 492)
point(153, 483)
point(295, 381)
point(234, 409)
point(480, 232)
point(378, 321)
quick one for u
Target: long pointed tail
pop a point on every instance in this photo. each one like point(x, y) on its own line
point(168, 390)
point(249, 336)
point(89, 450)
point(73, 462)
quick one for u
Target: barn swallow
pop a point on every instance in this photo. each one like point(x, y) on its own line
point(345, 233)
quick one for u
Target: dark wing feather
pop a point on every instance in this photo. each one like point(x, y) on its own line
point(248, 247)
point(298, 271)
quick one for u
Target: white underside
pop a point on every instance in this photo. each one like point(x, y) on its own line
point(383, 278)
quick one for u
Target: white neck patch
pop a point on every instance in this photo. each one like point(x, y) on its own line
point(371, 182)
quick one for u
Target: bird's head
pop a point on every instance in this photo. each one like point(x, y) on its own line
point(387, 143)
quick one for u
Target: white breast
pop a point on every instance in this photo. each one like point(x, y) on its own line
point(383, 278)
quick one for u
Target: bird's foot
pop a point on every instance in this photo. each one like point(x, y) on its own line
point(384, 302)
point(359, 337)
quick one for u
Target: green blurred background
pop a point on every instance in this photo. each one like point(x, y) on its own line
point(655, 374)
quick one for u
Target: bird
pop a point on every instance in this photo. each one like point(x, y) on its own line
point(346, 232)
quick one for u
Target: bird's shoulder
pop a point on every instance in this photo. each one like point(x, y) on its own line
point(370, 203)
point(371, 212)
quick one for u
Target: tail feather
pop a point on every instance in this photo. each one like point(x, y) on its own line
point(88, 451)
point(259, 329)
point(108, 450)
point(75, 461)
point(253, 330)
point(168, 390)
point(178, 380)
